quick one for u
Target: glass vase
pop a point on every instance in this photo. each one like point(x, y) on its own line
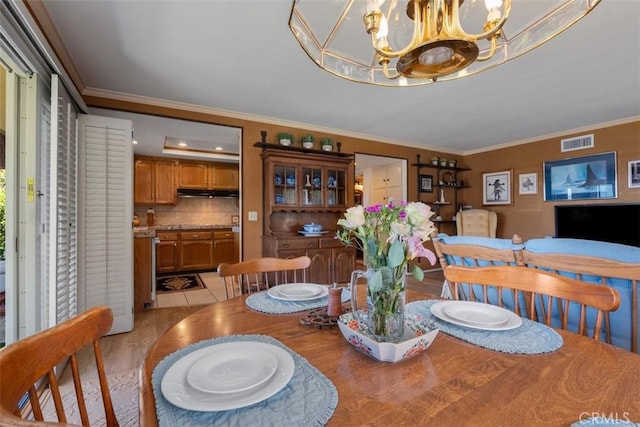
point(384, 316)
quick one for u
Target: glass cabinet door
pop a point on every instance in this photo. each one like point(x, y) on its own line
point(336, 187)
point(312, 186)
point(285, 184)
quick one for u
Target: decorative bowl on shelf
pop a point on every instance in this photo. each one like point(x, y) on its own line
point(279, 199)
point(291, 180)
point(317, 181)
point(417, 338)
point(331, 182)
point(312, 228)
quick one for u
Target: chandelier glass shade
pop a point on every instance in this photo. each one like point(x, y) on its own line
point(416, 42)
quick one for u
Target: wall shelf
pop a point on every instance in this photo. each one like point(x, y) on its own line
point(448, 175)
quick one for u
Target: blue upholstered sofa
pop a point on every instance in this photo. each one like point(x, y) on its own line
point(611, 264)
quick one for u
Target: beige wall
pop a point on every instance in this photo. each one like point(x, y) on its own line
point(529, 216)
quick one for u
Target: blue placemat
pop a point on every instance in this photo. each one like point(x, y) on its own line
point(529, 338)
point(309, 399)
point(261, 301)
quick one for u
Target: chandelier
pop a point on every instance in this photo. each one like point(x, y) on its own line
point(416, 42)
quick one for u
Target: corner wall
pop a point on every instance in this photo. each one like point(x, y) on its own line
point(530, 216)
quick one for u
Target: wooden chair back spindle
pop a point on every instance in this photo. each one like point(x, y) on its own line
point(28, 366)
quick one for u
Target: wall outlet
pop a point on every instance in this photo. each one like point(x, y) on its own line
point(253, 215)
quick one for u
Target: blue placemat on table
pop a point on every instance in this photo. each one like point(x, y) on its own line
point(529, 338)
point(262, 302)
point(309, 399)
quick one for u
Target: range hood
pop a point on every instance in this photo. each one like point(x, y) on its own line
point(208, 194)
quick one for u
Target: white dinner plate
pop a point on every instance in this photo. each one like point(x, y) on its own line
point(177, 390)
point(476, 315)
point(232, 370)
point(298, 291)
point(312, 233)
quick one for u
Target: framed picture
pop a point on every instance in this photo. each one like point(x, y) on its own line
point(634, 174)
point(579, 178)
point(426, 183)
point(235, 219)
point(528, 183)
point(496, 188)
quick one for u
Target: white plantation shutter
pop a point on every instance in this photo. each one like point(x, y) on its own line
point(62, 265)
point(105, 273)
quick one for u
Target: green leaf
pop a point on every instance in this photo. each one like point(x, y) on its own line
point(396, 254)
point(375, 282)
point(417, 272)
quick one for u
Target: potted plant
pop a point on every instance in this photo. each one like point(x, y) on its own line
point(435, 160)
point(285, 138)
point(452, 163)
point(327, 144)
point(443, 162)
point(307, 141)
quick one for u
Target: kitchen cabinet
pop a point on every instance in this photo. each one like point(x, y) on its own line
point(167, 252)
point(142, 272)
point(154, 181)
point(196, 250)
point(307, 186)
point(446, 183)
point(387, 184)
point(208, 176)
point(224, 248)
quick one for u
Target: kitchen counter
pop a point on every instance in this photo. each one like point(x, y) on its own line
point(145, 231)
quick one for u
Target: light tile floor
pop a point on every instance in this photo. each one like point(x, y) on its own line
point(212, 293)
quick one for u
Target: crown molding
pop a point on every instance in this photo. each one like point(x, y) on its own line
point(560, 134)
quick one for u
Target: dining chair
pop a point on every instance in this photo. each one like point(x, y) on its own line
point(29, 366)
point(262, 273)
point(540, 292)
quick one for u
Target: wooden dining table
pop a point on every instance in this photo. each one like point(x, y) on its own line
point(451, 383)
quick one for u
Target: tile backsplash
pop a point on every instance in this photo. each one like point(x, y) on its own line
point(216, 211)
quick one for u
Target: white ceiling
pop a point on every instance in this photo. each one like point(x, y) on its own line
point(239, 56)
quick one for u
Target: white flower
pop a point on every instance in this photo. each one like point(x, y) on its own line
point(418, 213)
point(353, 218)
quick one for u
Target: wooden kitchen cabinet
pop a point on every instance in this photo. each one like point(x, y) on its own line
point(142, 272)
point(224, 248)
point(195, 250)
point(208, 176)
point(193, 175)
point(167, 252)
point(224, 177)
point(154, 181)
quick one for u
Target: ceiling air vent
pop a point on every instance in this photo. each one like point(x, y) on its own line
point(576, 143)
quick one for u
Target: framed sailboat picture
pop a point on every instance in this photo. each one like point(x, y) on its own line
point(581, 178)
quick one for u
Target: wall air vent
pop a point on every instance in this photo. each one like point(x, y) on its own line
point(577, 143)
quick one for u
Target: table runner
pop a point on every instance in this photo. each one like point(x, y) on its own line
point(529, 338)
point(309, 399)
point(262, 302)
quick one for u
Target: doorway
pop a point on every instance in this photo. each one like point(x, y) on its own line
point(380, 179)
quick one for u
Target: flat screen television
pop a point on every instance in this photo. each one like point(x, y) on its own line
point(615, 223)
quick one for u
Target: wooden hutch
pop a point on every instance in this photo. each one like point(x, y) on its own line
point(303, 186)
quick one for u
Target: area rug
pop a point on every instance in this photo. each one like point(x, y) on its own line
point(178, 283)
